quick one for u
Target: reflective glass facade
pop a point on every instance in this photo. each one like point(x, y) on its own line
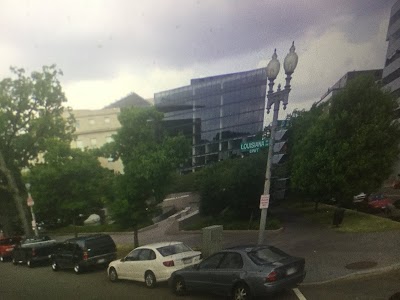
point(221, 111)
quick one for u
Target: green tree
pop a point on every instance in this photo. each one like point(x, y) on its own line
point(233, 186)
point(69, 182)
point(30, 112)
point(347, 146)
point(150, 156)
point(311, 152)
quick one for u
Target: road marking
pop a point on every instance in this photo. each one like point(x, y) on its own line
point(299, 294)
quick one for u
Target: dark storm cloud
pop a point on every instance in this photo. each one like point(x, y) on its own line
point(177, 34)
point(209, 31)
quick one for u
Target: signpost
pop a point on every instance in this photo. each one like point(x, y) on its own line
point(30, 203)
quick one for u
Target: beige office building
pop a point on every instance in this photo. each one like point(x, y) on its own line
point(94, 128)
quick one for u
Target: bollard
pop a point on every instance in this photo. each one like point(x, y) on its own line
point(338, 215)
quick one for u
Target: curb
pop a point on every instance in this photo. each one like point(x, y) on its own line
point(106, 232)
point(359, 274)
point(233, 231)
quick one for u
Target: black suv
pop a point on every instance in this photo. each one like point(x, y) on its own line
point(85, 251)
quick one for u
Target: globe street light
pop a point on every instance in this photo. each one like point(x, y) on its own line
point(275, 98)
point(30, 203)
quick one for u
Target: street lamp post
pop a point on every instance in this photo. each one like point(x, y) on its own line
point(275, 98)
point(30, 203)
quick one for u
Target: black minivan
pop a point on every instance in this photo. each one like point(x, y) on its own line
point(83, 252)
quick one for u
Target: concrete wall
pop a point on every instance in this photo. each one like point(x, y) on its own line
point(180, 201)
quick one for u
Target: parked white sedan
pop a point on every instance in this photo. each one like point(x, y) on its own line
point(153, 263)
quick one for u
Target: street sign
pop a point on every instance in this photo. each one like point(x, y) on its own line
point(29, 201)
point(254, 146)
point(264, 201)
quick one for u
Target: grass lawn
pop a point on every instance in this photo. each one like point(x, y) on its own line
point(353, 221)
point(123, 250)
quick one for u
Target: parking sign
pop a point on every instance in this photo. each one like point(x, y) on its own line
point(264, 201)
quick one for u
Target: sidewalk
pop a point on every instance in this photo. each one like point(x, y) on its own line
point(326, 251)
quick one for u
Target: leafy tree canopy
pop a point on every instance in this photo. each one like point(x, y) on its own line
point(149, 155)
point(69, 182)
point(31, 111)
point(348, 145)
point(233, 185)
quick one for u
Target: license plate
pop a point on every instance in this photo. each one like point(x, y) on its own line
point(100, 261)
point(291, 271)
point(187, 261)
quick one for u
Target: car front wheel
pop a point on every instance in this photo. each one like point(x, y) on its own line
point(241, 292)
point(29, 263)
point(113, 275)
point(150, 279)
point(179, 286)
point(77, 269)
point(54, 266)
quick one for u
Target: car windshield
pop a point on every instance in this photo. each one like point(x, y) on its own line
point(266, 255)
point(173, 249)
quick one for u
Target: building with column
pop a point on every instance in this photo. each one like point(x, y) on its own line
point(346, 78)
point(218, 113)
point(391, 71)
point(94, 128)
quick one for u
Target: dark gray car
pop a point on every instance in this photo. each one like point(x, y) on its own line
point(241, 272)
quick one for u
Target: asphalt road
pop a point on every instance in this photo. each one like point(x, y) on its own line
point(21, 282)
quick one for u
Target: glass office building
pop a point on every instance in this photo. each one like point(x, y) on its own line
point(217, 113)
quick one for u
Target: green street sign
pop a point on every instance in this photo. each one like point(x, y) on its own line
point(254, 146)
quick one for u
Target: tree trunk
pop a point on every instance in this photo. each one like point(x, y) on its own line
point(6, 224)
point(135, 238)
point(316, 201)
point(16, 195)
point(74, 224)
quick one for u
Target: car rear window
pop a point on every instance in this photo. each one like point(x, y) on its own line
point(173, 249)
point(266, 255)
point(9, 241)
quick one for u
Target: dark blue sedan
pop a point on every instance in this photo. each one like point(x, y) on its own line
point(241, 272)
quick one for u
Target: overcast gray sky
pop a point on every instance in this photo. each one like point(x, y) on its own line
point(107, 49)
